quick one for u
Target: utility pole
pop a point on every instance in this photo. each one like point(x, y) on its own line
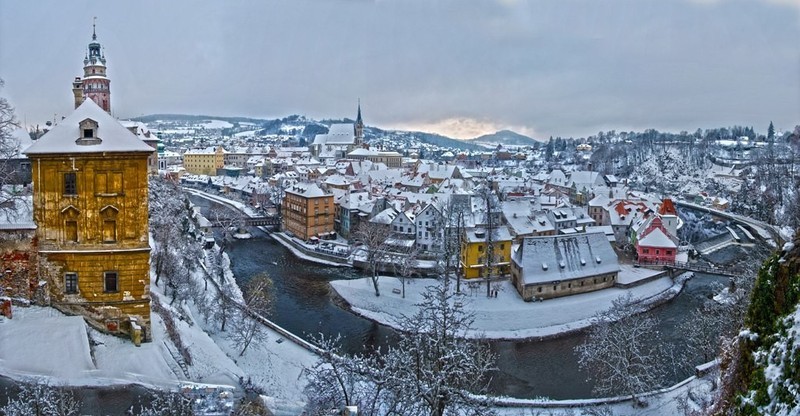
point(459, 230)
point(489, 238)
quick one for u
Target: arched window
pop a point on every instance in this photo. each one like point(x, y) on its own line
point(108, 217)
point(70, 216)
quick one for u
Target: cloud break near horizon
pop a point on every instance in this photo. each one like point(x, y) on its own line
point(461, 69)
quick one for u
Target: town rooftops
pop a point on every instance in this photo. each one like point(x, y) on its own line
point(565, 257)
point(108, 135)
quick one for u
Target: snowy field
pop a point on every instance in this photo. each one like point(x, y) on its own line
point(506, 317)
point(42, 343)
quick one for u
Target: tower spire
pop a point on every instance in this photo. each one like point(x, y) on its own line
point(358, 128)
point(94, 84)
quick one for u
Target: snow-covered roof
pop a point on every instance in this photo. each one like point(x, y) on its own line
point(565, 257)
point(339, 133)
point(204, 151)
point(112, 136)
point(22, 140)
point(363, 152)
point(307, 190)
point(478, 235)
point(385, 217)
point(657, 238)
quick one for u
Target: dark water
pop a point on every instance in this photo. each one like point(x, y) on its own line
point(304, 305)
point(95, 400)
point(525, 369)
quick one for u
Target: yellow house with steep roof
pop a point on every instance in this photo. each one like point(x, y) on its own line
point(90, 205)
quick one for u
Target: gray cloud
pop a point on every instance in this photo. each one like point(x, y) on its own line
point(555, 68)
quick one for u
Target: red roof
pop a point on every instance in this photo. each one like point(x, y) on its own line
point(667, 207)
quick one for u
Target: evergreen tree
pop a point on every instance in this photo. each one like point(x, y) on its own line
point(770, 132)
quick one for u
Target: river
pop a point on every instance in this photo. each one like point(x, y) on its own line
point(526, 369)
point(304, 306)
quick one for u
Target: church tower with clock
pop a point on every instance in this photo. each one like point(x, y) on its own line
point(94, 84)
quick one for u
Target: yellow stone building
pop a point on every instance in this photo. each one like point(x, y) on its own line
point(90, 205)
point(204, 161)
point(475, 246)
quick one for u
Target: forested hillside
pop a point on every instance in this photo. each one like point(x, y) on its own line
point(761, 369)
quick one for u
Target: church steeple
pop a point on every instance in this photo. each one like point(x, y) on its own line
point(359, 127)
point(94, 84)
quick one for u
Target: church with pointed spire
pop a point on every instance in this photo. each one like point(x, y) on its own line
point(341, 139)
point(94, 84)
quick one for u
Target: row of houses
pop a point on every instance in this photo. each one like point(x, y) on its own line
point(495, 233)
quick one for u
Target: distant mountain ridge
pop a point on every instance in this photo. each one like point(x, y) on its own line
point(505, 137)
point(294, 123)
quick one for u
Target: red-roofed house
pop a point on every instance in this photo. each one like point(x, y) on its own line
point(655, 245)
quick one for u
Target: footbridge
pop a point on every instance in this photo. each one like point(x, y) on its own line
point(694, 267)
point(266, 221)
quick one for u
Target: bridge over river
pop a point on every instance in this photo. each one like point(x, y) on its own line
point(265, 221)
point(699, 267)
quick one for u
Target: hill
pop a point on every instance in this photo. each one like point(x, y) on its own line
point(308, 128)
point(506, 138)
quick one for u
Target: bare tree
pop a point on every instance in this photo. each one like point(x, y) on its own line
point(41, 399)
point(623, 352)
point(171, 227)
point(373, 238)
point(715, 320)
point(431, 370)
point(337, 380)
point(165, 403)
point(224, 302)
point(404, 264)
point(9, 149)
point(229, 221)
point(452, 221)
point(258, 300)
point(435, 366)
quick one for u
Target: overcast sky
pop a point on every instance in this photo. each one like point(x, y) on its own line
point(462, 68)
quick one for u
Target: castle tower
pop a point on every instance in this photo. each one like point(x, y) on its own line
point(669, 216)
point(359, 127)
point(94, 84)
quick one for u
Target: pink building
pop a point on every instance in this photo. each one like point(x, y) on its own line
point(655, 245)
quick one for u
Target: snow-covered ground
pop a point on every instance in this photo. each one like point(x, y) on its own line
point(661, 403)
point(505, 317)
point(40, 342)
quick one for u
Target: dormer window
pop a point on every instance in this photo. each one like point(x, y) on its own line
point(88, 133)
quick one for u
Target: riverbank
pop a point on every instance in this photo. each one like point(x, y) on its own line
point(304, 252)
point(505, 317)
